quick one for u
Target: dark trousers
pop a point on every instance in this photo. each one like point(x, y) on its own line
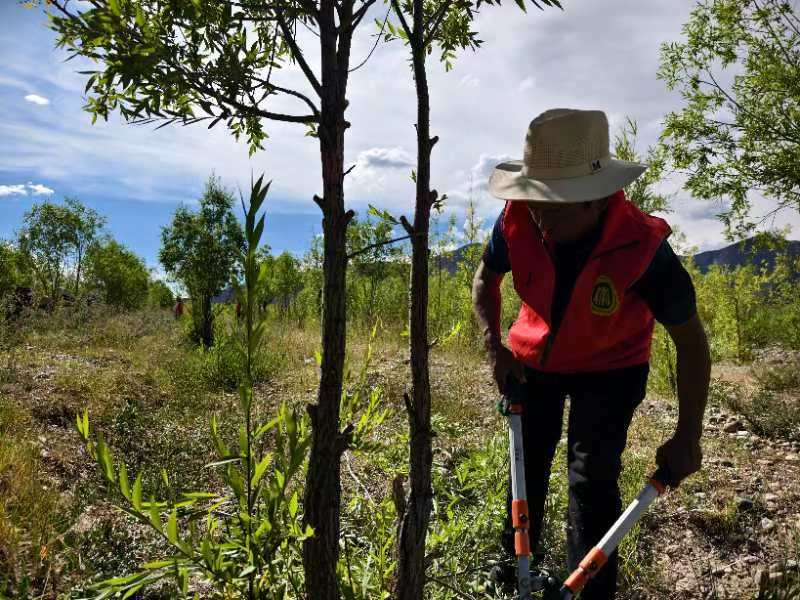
point(601, 408)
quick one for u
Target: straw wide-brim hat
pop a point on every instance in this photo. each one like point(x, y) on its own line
point(566, 159)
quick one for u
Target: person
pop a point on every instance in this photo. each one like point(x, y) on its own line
point(593, 272)
point(177, 310)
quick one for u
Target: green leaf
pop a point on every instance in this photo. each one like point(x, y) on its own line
point(293, 505)
point(123, 480)
point(158, 564)
point(247, 570)
point(136, 497)
point(263, 529)
point(114, 6)
point(132, 590)
point(140, 19)
point(383, 215)
point(155, 517)
point(220, 463)
point(104, 459)
point(261, 468)
point(172, 527)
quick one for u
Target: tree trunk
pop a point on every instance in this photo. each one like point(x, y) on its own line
point(323, 484)
point(78, 272)
point(410, 576)
point(207, 330)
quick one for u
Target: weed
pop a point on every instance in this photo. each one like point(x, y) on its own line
point(767, 413)
point(780, 377)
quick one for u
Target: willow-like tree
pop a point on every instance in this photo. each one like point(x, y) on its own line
point(738, 71)
point(423, 25)
point(217, 62)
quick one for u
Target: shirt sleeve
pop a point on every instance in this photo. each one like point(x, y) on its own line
point(667, 288)
point(495, 255)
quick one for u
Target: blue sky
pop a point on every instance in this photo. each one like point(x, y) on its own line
point(591, 55)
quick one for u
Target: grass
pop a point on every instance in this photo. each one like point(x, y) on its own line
point(152, 394)
point(767, 412)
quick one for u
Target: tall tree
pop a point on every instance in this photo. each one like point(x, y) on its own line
point(642, 191)
point(739, 74)
point(215, 60)
point(117, 273)
point(201, 249)
point(448, 24)
point(83, 228)
point(55, 237)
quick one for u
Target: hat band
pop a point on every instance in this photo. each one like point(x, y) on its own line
point(589, 168)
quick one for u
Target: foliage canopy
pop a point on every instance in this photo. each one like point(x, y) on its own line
point(201, 249)
point(738, 71)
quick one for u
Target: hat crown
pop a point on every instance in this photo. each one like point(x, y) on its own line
point(561, 140)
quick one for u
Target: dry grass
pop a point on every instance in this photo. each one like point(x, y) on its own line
point(152, 395)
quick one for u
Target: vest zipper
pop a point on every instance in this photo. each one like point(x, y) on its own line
point(548, 345)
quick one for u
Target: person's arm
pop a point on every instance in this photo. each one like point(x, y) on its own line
point(669, 292)
point(487, 302)
point(682, 454)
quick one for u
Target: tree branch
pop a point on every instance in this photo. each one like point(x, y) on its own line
point(437, 19)
point(399, 12)
point(361, 13)
point(287, 91)
point(406, 225)
point(297, 54)
point(376, 245)
point(377, 41)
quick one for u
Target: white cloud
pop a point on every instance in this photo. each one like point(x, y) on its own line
point(37, 189)
point(469, 81)
point(390, 158)
point(13, 190)
point(37, 99)
point(477, 111)
point(21, 189)
point(526, 84)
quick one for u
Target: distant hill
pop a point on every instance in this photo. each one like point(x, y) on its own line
point(735, 255)
point(449, 261)
point(742, 253)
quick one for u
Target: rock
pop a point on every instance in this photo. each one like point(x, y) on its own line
point(700, 495)
point(791, 457)
point(767, 524)
point(770, 498)
point(731, 426)
point(743, 503)
point(750, 559)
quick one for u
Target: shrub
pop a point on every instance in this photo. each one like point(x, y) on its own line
point(768, 414)
point(118, 274)
point(159, 295)
point(244, 541)
point(780, 377)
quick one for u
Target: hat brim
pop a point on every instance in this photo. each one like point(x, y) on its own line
point(507, 183)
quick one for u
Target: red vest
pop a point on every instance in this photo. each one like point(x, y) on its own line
point(605, 326)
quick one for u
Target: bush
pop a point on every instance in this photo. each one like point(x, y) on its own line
point(118, 274)
point(159, 295)
point(780, 377)
point(768, 414)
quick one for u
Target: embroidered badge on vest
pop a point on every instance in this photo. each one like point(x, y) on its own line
point(605, 301)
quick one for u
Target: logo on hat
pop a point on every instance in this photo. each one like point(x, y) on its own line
point(605, 300)
point(596, 166)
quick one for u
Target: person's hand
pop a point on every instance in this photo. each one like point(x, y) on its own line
point(681, 455)
point(504, 364)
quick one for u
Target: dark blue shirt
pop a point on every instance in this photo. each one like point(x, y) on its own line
point(665, 286)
